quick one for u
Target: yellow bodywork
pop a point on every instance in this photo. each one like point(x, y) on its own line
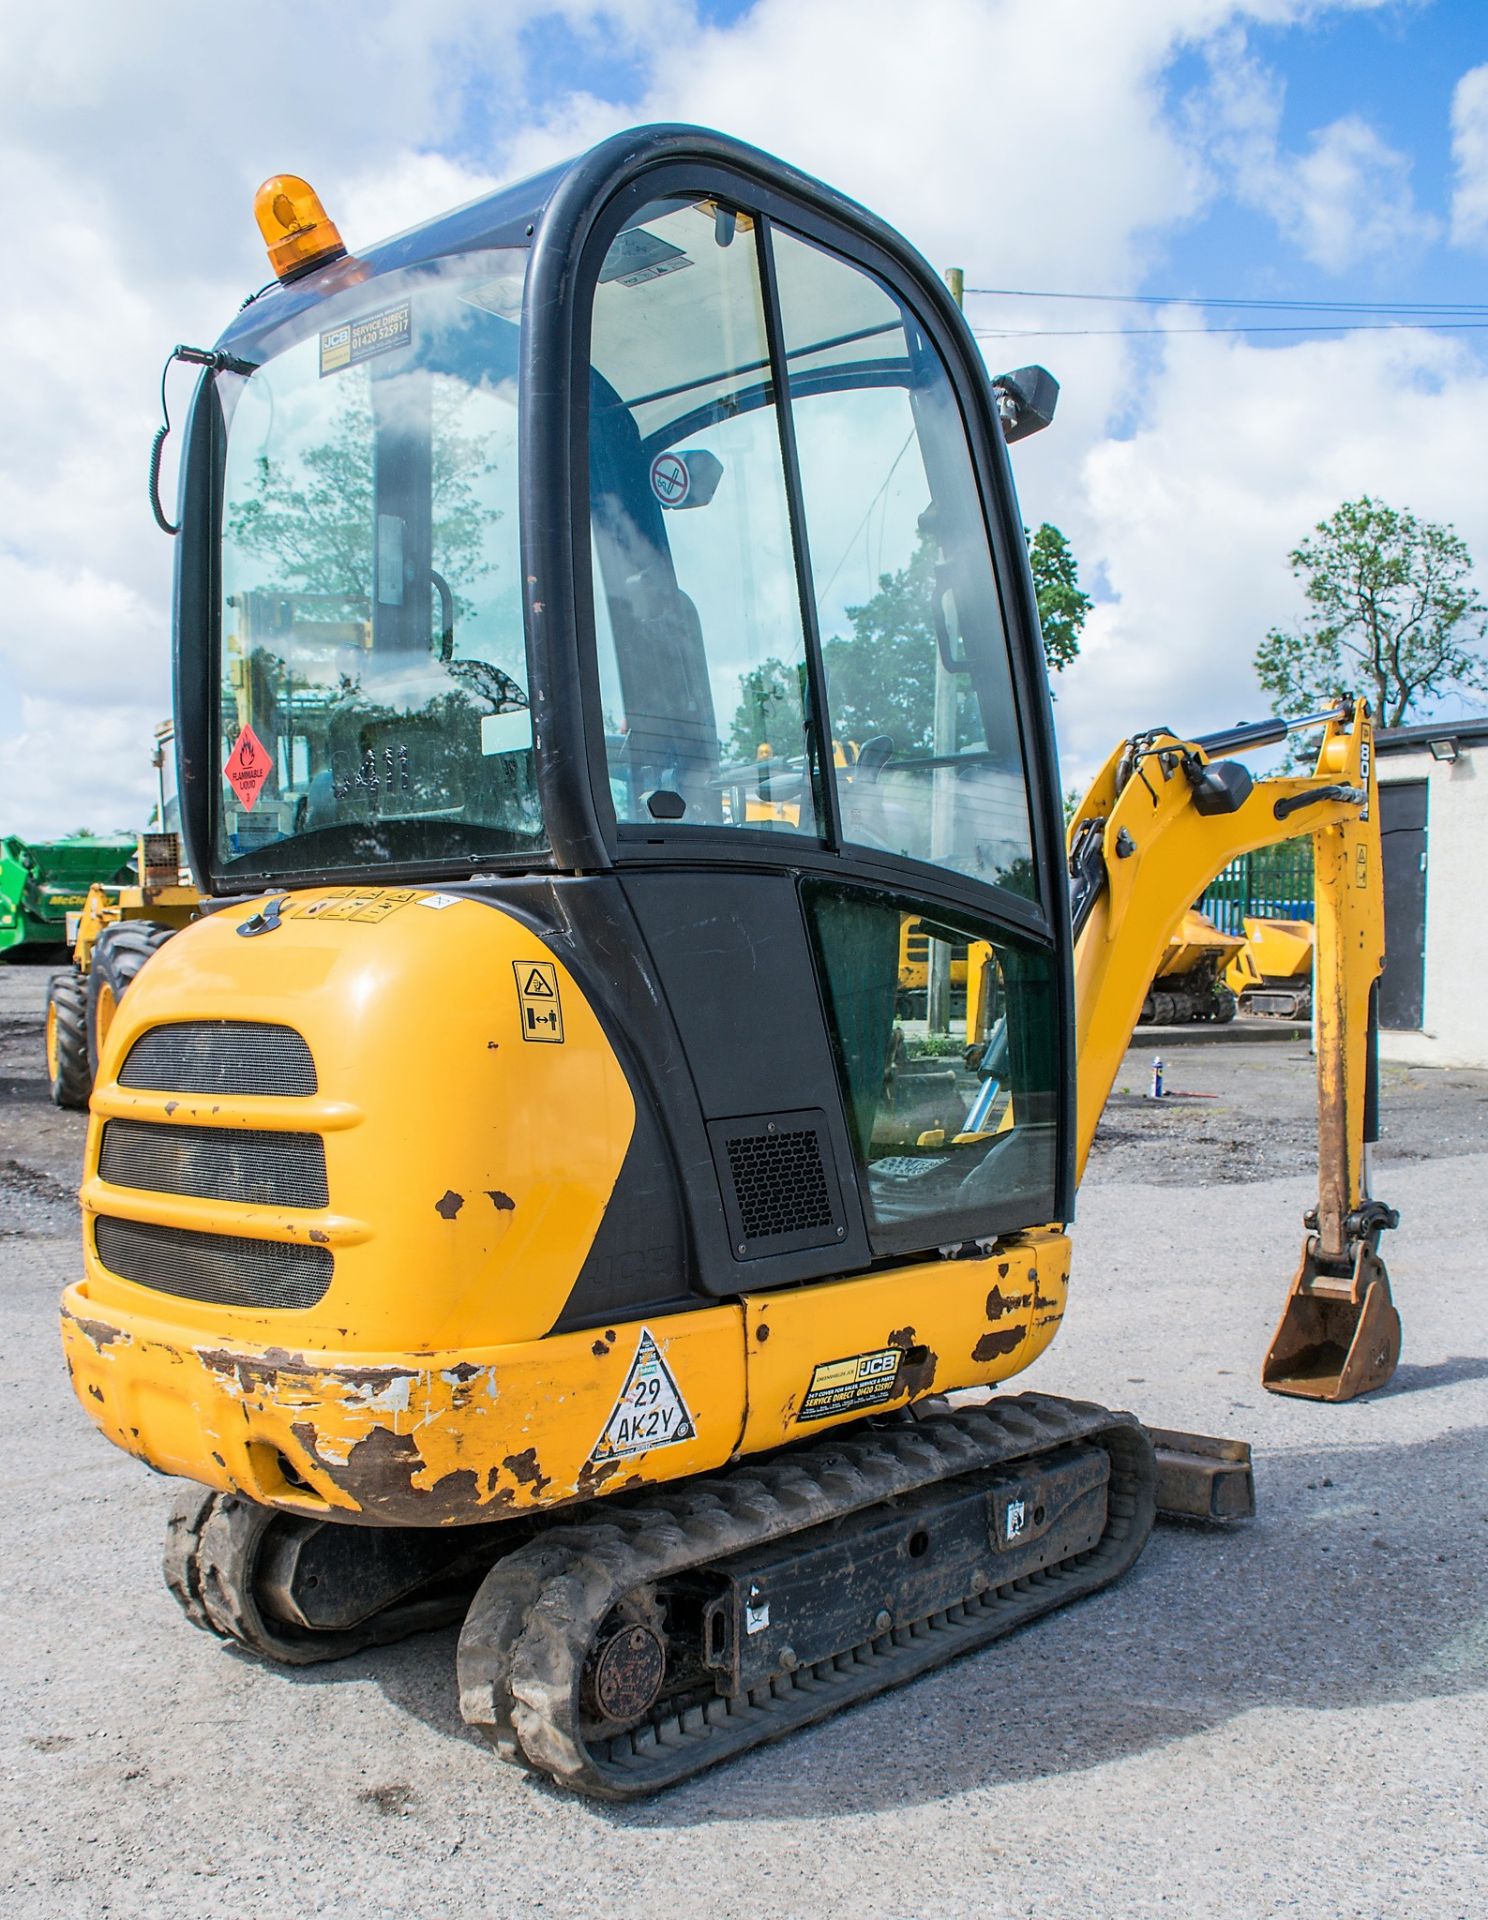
point(468, 1169)
point(1196, 940)
point(1274, 950)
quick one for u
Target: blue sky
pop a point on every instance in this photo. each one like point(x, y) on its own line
point(1298, 149)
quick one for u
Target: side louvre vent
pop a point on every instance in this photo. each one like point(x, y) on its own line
point(250, 1165)
point(780, 1192)
point(221, 1056)
point(216, 1267)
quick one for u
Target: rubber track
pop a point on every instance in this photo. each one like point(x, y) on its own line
point(530, 1627)
point(212, 1547)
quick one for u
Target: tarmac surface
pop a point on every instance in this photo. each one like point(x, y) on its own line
point(1283, 1718)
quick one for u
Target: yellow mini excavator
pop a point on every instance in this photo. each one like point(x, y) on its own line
point(529, 1192)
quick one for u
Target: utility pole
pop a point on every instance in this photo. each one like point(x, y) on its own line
point(942, 793)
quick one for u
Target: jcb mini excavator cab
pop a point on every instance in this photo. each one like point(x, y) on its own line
point(603, 626)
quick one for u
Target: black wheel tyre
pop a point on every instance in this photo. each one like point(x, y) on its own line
point(118, 954)
point(1226, 1006)
point(68, 1067)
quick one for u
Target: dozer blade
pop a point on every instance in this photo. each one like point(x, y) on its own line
point(1339, 1334)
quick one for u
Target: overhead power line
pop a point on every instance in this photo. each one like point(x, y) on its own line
point(1342, 326)
point(1443, 308)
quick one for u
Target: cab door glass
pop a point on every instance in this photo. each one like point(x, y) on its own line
point(702, 659)
point(944, 1036)
point(919, 682)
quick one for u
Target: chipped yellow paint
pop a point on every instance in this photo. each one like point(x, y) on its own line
point(959, 1323)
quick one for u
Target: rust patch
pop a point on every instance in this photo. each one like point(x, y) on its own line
point(97, 1393)
point(599, 1349)
point(1048, 1320)
point(99, 1332)
point(319, 1236)
point(373, 1379)
point(1002, 1269)
point(454, 1498)
point(170, 1107)
point(502, 1202)
point(450, 1205)
point(917, 1368)
point(999, 1303)
point(256, 1373)
point(591, 1477)
point(462, 1371)
point(524, 1467)
point(1042, 1300)
point(379, 1474)
point(992, 1344)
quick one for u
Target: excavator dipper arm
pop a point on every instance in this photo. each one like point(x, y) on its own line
point(1161, 819)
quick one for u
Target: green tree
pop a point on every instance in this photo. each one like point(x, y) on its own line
point(1062, 606)
point(1392, 616)
point(312, 520)
point(883, 678)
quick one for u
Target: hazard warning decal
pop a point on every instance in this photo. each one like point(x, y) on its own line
point(650, 1412)
point(537, 999)
point(248, 766)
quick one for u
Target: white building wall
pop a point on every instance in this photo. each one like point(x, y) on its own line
point(1455, 1012)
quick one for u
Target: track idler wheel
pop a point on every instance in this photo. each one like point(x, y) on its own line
point(297, 1590)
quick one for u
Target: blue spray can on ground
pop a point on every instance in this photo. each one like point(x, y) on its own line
point(1157, 1077)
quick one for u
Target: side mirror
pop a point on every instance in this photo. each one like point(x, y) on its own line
point(1025, 401)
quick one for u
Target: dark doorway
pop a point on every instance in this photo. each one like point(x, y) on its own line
point(1402, 997)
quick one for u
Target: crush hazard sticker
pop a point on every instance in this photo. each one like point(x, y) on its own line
point(358, 340)
point(842, 1386)
point(538, 1001)
point(248, 766)
point(650, 1411)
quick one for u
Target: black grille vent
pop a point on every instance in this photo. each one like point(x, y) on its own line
point(215, 1267)
point(260, 1168)
point(221, 1056)
point(779, 1183)
point(780, 1191)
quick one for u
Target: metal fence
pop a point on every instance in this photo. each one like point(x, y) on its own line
point(1274, 884)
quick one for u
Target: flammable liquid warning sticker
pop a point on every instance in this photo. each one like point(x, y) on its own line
point(842, 1386)
point(650, 1412)
point(358, 340)
point(537, 1000)
point(248, 766)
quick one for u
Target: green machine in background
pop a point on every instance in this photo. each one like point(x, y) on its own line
point(42, 881)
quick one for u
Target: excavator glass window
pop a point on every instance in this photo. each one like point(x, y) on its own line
point(373, 676)
point(945, 1049)
point(911, 626)
point(702, 658)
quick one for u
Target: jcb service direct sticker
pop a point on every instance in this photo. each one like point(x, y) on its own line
point(843, 1386)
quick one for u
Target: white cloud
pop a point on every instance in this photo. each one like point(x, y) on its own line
point(1470, 152)
point(1344, 201)
point(1029, 141)
point(1243, 450)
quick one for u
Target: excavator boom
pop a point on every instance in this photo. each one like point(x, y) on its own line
point(1160, 820)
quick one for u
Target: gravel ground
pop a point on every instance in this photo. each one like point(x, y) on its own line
point(1287, 1718)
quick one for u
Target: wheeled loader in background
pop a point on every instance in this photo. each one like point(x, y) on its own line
point(42, 881)
point(112, 931)
point(511, 1201)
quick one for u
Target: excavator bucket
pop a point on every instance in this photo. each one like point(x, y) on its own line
point(1339, 1334)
